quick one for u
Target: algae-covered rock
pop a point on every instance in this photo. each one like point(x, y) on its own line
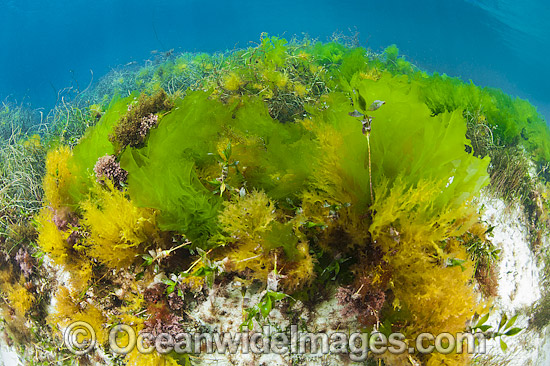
point(301, 187)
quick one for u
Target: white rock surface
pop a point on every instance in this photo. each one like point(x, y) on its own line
point(519, 287)
point(8, 357)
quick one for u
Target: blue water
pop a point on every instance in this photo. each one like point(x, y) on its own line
point(47, 46)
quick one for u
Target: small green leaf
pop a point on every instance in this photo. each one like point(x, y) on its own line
point(38, 255)
point(276, 295)
point(482, 320)
point(214, 182)
point(227, 152)
point(454, 262)
point(310, 225)
point(513, 331)
point(148, 259)
point(484, 328)
point(511, 322)
point(265, 307)
point(247, 323)
point(336, 270)
point(168, 281)
point(503, 345)
point(502, 322)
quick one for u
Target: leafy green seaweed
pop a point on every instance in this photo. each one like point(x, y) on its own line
point(93, 145)
point(162, 175)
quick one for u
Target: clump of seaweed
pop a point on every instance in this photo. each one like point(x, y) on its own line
point(107, 167)
point(133, 127)
point(540, 313)
point(362, 303)
point(283, 74)
point(510, 174)
point(118, 231)
point(515, 177)
point(485, 256)
point(147, 123)
point(162, 320)
point(24, 260)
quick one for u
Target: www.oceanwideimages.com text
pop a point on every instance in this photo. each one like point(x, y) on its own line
point(80, 338)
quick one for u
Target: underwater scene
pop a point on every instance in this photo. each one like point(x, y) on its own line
point(275, 183)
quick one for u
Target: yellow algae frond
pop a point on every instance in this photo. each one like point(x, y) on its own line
point(300, 89)
point(70, 308)
point(232, 82)
point(52, 240)
point(58, 178)
point(119, 231)
point(17, 296)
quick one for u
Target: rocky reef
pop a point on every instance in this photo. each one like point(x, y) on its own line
point(293, 192)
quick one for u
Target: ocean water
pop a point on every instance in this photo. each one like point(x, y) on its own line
point(48, 46)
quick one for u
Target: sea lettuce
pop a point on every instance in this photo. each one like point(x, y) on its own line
point(162, 175)
point(282, 153)
point(93, 145)
point(406, 140)
point(513, 121)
